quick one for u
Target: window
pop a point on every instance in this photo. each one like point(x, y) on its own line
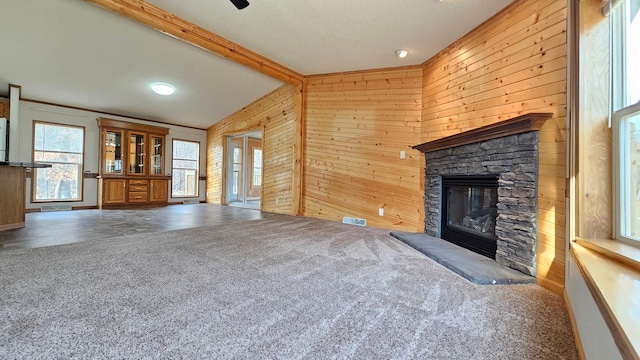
point(626, 118)
point(62, 146)
point(184, 175)
point(257, 167)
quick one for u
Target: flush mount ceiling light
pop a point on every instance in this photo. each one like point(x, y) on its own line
point(240, 4)
point(162, 89)
point(402, 53)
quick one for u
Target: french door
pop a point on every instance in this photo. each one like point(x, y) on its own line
point(244, 170)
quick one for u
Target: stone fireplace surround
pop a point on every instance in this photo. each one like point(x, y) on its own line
point(508, 149)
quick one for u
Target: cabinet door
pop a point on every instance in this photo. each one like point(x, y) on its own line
point(156, 152)
point(159, 190)
point(112, 154)
point(137, 153)
point(114, 191)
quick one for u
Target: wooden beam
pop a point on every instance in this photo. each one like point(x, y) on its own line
point(298, 163)
point(517, 125)
point(168, 23)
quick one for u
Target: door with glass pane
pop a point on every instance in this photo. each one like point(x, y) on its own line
point(244, 170)
point(156, 149)
point(112, 152)
point(254, 168)
point(137, 151)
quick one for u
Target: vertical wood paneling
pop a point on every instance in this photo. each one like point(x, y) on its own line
point(513, 64)
point(275, 113)
point(356, 125)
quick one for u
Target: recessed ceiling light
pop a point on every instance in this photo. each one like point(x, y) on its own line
point(402, 53)
point(162, 89)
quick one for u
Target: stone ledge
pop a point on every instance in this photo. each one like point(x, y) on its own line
point(476, 268)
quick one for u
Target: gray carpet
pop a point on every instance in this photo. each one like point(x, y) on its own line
point(281, 287)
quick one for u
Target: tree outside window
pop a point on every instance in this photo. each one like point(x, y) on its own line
point(62, 146)
point(184, 173)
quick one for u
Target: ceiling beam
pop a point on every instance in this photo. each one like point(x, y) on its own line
point(170, 24)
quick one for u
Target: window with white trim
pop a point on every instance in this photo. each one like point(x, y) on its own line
point(184, 173)
point(625, 70)
point(62, 146)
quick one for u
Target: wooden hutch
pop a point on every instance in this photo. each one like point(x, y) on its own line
point(131, 169)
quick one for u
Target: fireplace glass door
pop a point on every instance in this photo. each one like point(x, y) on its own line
point(469, 213)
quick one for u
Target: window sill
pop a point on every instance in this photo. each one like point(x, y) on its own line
point(617, 250)
point(612, 272)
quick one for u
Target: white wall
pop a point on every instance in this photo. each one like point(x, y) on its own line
point(595, 336)
point(30, 111)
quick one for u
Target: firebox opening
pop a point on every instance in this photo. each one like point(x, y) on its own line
point(469, 212)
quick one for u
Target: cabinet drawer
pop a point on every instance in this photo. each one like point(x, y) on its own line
point(137, 196)
point(138, 188)
point(137, 182)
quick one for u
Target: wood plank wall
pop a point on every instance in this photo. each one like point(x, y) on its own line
point(275, 115)
point(356, 125)
point(512, 64)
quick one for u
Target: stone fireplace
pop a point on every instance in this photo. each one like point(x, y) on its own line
point(481, 190)
point(469, 212)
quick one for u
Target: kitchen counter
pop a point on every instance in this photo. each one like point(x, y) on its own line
point(13, 182)
point(24, 164)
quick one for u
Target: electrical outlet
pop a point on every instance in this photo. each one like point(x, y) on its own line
point(277, 201)
point(381, 211)
point(402, 154)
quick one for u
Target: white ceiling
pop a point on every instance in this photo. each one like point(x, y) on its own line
point(73, 53)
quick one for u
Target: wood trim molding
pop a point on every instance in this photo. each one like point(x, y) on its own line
point(17, 225)
point(109, 113)
point(517, 125)
point(19, 87)
point(612, 286)
point(105, 122)
point(549, 285)
point(168, 23)
point(617, 250)
point(298, 162)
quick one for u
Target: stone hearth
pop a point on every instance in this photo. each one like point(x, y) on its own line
point(508, 150)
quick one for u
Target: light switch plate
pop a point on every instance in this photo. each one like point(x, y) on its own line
point(402, 154)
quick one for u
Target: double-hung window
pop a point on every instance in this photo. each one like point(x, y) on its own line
point(625, 72)
point(184, 173)
point(62, 146)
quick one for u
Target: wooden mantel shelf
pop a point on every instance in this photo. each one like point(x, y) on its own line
point(517, 125)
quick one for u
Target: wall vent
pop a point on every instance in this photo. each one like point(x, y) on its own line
point(354, 221)
point(60, 207)
point(191, 201)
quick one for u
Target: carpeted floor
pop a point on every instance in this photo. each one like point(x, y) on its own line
point(281, 287)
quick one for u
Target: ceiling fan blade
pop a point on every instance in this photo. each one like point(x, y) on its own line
point(240, 4)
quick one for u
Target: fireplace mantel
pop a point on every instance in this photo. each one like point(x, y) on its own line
point(517, 125)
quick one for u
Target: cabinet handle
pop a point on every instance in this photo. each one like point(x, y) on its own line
point(137, 197)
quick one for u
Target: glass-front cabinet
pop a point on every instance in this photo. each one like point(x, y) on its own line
point(156, 150)
point(131, 165)
point(137, 153)
point(112, 151)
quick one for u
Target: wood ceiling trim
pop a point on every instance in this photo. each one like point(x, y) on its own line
point(172, 25)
